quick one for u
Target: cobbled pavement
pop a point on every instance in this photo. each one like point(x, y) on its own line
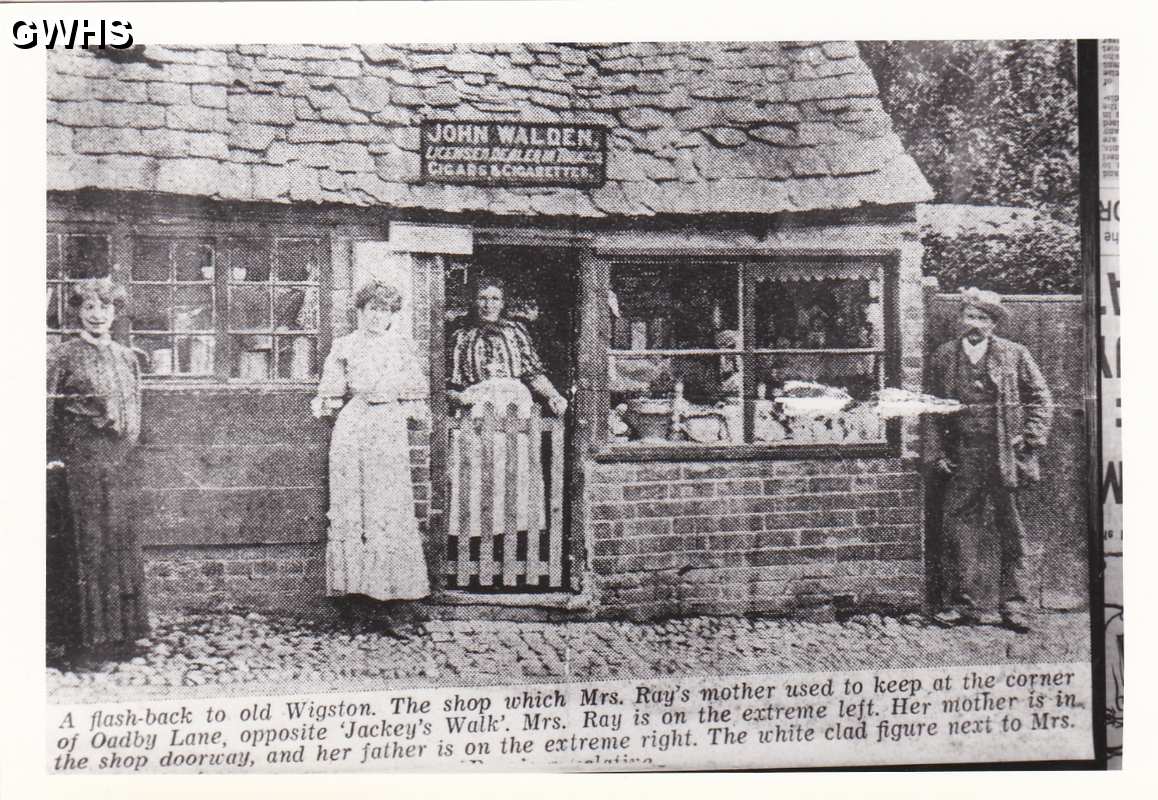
point(207, 655)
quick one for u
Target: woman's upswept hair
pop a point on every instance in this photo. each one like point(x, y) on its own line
point(104, 289)
point(488, 281)
point(380, 292)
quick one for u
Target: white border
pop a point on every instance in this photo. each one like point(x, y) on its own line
point(22, 203)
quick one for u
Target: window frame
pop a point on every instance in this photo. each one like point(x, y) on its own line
point(748, 264)
point(123, 232)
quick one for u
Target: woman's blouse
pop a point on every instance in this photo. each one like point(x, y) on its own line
point(94, 382)
point(378, 367)
point(500, 349)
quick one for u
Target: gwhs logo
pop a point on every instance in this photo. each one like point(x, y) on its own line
point(72, 34)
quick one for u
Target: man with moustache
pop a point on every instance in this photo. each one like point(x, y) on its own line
point(987, 453)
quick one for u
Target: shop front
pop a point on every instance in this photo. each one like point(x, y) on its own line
point(709, 248)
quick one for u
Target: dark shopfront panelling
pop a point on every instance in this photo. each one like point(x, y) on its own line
point(233, 497)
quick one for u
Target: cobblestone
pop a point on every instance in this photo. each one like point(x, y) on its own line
point(202, 655)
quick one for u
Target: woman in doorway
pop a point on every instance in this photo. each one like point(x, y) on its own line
point(494, 364)
point(491, 346)
point(96, 604)
point(374, 549)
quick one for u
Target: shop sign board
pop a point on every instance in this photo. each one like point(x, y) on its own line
point(511, 154)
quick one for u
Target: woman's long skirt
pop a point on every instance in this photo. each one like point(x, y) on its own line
point(374, 546)
point(95, 574)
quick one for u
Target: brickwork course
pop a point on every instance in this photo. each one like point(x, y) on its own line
point(211, 655)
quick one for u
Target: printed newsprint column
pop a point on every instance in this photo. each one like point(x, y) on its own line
point(959, 714)
point(1111, 377)
point(620, 405)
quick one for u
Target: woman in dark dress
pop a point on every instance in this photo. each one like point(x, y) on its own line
point(95, 578)
point(493, 346)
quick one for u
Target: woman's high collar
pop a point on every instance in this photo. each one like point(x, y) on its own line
point(96, 341)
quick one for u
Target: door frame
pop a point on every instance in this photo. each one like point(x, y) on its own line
point(584, 399)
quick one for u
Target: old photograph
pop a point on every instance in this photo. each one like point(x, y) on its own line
point(626, 406)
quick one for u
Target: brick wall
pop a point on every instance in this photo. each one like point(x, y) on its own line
point(754, 537)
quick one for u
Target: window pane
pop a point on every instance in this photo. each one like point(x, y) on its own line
point(194, 354)
point(253, 357)
point(193, 260)
point(296, 260)
point(71, 315)
point(675, 399)
point(296, 309)
point(249, 308)
point(151, 260)
point(86, 256)
point(296, 357)
point(159, 353)
point(665, 306)
point(193, 308)
point(247, 260)
point(52, 246)
point(811, 314)
point(817, 399)
point(53, 303)
point(149, 308)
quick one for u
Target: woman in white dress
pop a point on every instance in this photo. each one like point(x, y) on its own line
point(374, 548)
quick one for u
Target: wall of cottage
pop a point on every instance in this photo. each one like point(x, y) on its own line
point(232, 507)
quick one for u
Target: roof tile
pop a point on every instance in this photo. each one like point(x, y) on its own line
point(59, 139)
point(304, 183)
point(551, 100)
point(644, 119)
point(406, 96)
point(713, 89)
point(209, 96)
point(725, 137)
point(252, 137)
point(195, 176)
point(108, 140)
point(840, 50)
point(270, 181)
point(196, 118)
point(855, 85)
point(98, 113)
point(170, 93)
point(261, 108)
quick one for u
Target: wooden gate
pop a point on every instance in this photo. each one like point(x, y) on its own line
point(505, 501)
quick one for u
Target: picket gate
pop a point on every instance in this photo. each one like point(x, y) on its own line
point(498, 536)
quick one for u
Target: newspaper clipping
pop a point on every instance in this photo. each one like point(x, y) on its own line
point(592, 407)
point(1110, 376)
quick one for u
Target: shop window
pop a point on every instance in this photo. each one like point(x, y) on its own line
point(724, 354)
point(223, 307)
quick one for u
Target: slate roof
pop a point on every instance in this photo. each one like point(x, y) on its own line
point(695, 127)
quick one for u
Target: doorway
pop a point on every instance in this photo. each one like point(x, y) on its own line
point(508, 471)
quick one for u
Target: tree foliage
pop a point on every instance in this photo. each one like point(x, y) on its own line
point(1042, 259)
point(988, 122)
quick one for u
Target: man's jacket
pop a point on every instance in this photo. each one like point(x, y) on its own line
point(1024, 408)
